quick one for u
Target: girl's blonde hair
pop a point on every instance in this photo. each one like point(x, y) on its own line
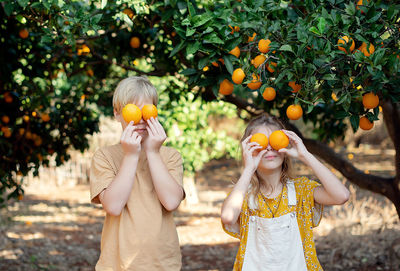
point(271, 122)
point(131, 89)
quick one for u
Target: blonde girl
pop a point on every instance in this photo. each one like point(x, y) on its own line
point(271, 212)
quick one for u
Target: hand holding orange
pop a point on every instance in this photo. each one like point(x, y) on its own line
point(148, 111)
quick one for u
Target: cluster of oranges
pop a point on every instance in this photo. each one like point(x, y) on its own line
point(347, 45)
point(226, 86)
point(132, 112)
point(370, 101)
point(277, 139)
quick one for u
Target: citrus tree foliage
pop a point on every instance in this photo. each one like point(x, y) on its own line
point(61, 59)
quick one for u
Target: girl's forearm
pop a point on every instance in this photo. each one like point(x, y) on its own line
point(333, 192)
point(116, 195)
point(233, 203)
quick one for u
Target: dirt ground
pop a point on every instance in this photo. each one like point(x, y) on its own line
point(56, 228)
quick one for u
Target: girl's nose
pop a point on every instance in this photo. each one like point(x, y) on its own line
point(269, 148)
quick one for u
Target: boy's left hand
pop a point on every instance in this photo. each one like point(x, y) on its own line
point(156, 135)
point(298, 149)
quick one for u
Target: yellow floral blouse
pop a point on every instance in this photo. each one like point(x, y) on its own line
point(308, 216)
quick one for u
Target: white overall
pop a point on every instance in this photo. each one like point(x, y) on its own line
point(275, 243)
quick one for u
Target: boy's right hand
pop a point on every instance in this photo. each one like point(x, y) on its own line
point(131, 140)
point(251, 161)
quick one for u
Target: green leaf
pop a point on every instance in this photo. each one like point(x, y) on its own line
point(203, 62)
point(228, 64)
point(103, 4)
point(190, 31)
point(213, 38)
point(199, 20)
point(9, 8)
point(314, 30)
point(286, 47)
point(96, 19)
point(186, 22)
point(24, 3)
point(321, 24)
point(329, 76)
point(177, 48)
point(375, 18)
point(192, 48)
point(189, 71)
point(192, 11)
point(354, 120)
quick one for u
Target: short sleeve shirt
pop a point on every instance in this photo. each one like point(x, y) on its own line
point(144, 236)
point(308, 216)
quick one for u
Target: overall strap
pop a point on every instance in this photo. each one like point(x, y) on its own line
point(291, 193)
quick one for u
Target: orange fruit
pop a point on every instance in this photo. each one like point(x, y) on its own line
point(148, 111)
point(334, 97)
point(129, 12)
point(294, 112)
point(6, 131)
point(5, 119)
point(215, 64)
point(258, 60)
point(263, 45)
point(370, 100)
point(45, 117)
point(131, 112)
point(206, 68)
point(226, 87)
point(134, 42)
point(26, 118)
point(23, 33)
point(365, 124)
point(261, 139)
point(345, 40)
point(367, 51)
point(8, 97)
point(222, 61)
point(83, 50)
point(294, 86)
point(271, 69)
point(238, 75)
point(90, 72)
point(269, 94)
point(360, 3)
point(235, 51)
point(278, 140)
point(250, 39)
point(234, 29)
point(255, 83)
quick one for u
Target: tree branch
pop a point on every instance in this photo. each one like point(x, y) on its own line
point(391, 117)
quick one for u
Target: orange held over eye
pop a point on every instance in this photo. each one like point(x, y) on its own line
point(370, 100)
point(365, 124)
point(131, 112)
point(260, 139)
point(238, 75)
point(269, 94)
point(148, 111)
point(255, 83)
point(278, 140)
point(263, 45)
point(345, 40)
point(294, 112)
point(134, 42)
point(294, 86)
point(226, 87)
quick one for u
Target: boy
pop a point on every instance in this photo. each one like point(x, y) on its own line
point(139, 184)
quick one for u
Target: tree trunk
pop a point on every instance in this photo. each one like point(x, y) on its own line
point(191, 191)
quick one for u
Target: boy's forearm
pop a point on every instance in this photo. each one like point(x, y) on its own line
point(169, 192)
point(116, 195)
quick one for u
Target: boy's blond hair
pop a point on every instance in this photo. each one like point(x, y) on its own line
point(133, 89)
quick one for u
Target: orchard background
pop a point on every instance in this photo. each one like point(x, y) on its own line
point(328, 68)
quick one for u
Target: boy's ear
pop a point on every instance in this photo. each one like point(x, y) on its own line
point(117, 115)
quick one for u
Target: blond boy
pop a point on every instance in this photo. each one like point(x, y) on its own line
point(139, 184)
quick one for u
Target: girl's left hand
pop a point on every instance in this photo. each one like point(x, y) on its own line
point(156, 135)
point(298, 150)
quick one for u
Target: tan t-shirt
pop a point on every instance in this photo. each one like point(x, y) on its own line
point(144, 236)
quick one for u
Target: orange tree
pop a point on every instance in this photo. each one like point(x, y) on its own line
point(326, 62)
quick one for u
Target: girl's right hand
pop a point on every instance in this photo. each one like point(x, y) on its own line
point(131, 140)
point(251, 161)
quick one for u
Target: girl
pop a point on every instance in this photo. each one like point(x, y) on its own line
point(270, 212)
